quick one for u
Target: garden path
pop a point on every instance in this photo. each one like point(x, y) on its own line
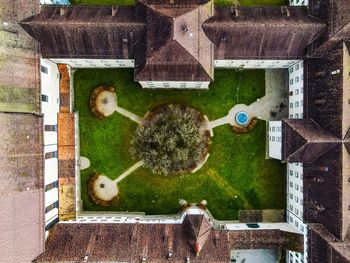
point(129, 171)
point(128, 114)
point(276, 95)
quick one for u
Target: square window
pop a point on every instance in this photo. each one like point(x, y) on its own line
point(44, 98)
point(44, 69)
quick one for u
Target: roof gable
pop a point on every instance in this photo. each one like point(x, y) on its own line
point(305, 141)
point(174, 39)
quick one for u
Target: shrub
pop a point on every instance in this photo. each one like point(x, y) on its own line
point(172, 139)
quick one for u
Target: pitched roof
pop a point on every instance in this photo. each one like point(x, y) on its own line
point(328, 175)
point(174, 46)
point(261, 32)
point(325, 92)
point(129, 243)
point(337, 15)
point(322, 245)
point(21, 187)
point(158, 243)
point(85, 31)
point(198, 228)
point(305, 140)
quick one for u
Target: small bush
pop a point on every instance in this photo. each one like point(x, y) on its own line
point(173, 139)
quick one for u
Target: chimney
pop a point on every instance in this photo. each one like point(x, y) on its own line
point(63, 10)
point(285, 11)
point(114, 10)
point(234, 12)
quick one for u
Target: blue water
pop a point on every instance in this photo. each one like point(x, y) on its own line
point(242, 118)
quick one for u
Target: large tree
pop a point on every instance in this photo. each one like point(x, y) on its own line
point(173, 139)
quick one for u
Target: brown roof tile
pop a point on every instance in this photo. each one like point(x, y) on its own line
point(261, 32)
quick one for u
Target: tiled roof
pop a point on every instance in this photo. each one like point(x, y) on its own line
point(85, 31)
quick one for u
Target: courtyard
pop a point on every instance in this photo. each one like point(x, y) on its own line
point(236, 176)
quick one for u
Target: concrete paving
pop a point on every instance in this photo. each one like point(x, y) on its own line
point(273, 106)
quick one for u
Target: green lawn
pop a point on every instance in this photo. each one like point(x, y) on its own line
point(236, 166)
point(218, 2)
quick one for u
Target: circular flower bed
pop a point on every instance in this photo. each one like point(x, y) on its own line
point(173, 139)
point(102, 190)
point(103, 101)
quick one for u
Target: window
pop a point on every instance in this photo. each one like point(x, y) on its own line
point(51, 186)
point(296, 174)
point(273, 128)
point(296, 91)
point(291, 116)
point(44, 69)
point(52, 206)
point(291, 196)
point(291, 69)
point(50, 155)
point(273, 138)
point(291, 184)
point(291, 105)
point(297, 104)
point(44, 98)
point(296, 199)
point(296, 223)
point(296, 79)
point(296, 66)
point(296, 211)
point(291, 219)
point(291, 81)
point(291, 172)
point(297, 116)
point(51, 128)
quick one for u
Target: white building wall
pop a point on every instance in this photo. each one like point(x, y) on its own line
point(250, 64)
point(95, 63)
point(296, 90)
point(295, 208)
point(50, 102)
point(51, 164)
point(298, 2)
point(174, 84)
point(50, 78)
point(275, 139)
